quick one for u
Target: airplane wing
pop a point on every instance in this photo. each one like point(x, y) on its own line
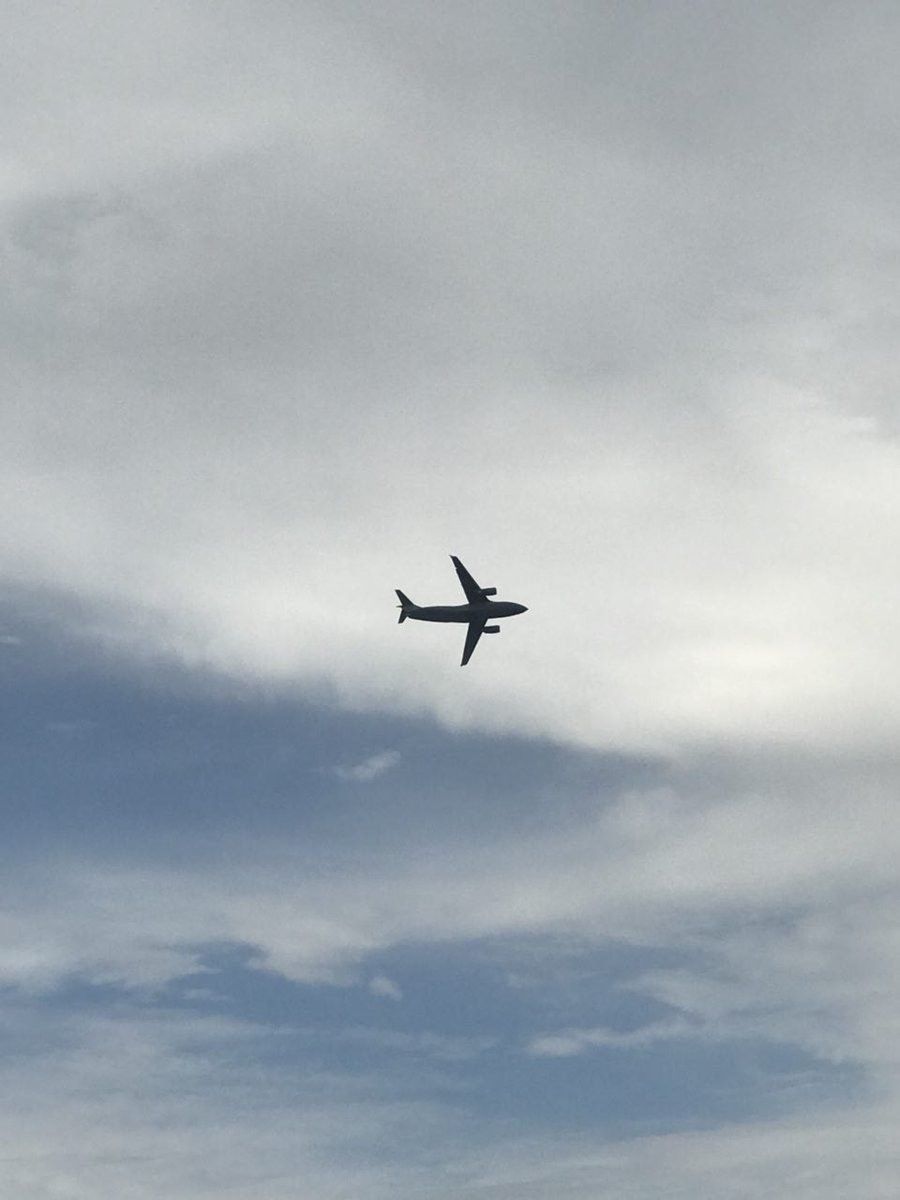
point(469, 586)
point(474, 632)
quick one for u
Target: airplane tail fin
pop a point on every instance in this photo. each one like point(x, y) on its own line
point(405, 604)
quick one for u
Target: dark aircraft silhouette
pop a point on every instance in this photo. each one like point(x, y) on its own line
point(475, 613)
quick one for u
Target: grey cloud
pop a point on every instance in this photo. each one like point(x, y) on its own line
point(136, 1102)
point(299, 298)
point(164, 1100)
point(603, 269)
point(653, 869)
point(421, 241)
point(841, 1153)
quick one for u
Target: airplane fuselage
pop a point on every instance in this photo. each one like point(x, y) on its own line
point(476, 612)
point(465, 614)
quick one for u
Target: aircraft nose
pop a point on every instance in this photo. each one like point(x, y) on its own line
point(523, 608)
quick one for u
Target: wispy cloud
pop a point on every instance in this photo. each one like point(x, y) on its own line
point(149, 1102)
point(569, 1042)
point(370, 768)
point(381, 985)
point(141, 1103)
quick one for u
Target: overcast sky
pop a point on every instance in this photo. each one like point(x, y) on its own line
point(298, 299)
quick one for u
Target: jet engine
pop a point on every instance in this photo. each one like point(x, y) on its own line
point(491, 629)
point(485, 592)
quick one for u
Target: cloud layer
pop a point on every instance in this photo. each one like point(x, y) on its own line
point(297, 300)
point(337, 312)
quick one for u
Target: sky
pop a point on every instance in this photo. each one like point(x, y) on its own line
point(297, 300)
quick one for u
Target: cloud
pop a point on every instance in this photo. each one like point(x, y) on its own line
point(330, 317)
point(753, 917)
point(743, 880)
point(841, 1153)
point(300, 298)
point(370, 768)
point(381, 985)
point(569, 1042)
point(142, 1102)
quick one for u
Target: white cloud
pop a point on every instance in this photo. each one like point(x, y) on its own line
point(782, 908)
point(370, 768)
point(638, 383)
point(569, 1042)
point(138, 1104)
point(298, 299)
point(839, 1154)
point(381, 985)
point(749, 880)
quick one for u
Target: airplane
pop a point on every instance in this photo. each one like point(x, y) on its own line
point(475, 613)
